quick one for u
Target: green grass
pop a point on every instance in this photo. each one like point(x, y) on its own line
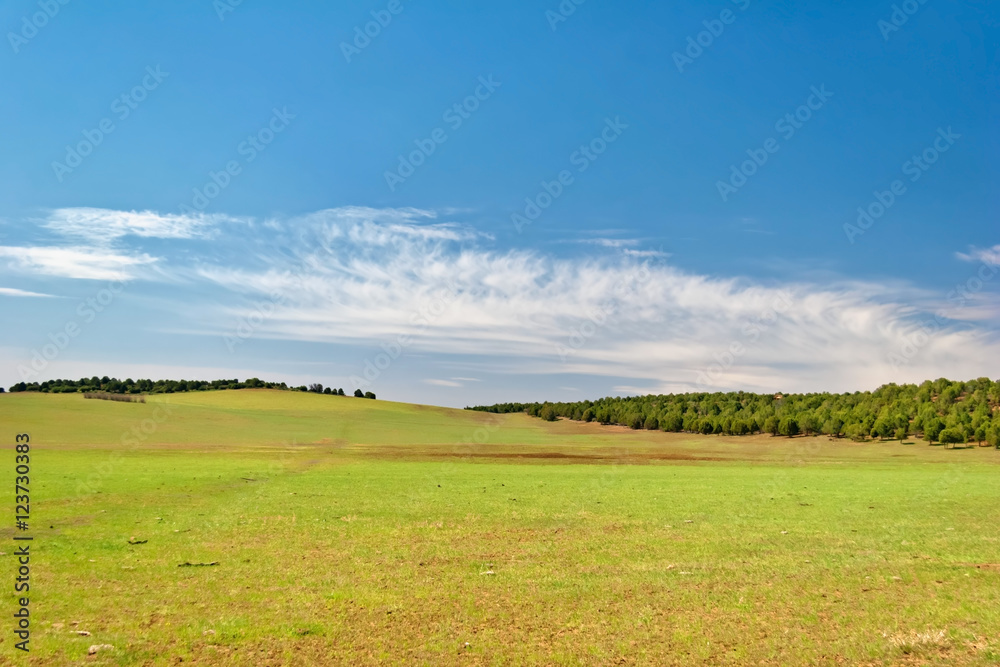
point(365, 532)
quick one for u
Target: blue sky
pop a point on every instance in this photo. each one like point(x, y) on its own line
point(237, 168)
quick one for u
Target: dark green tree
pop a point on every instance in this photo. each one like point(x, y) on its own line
point(788, 427)
point(932, 429)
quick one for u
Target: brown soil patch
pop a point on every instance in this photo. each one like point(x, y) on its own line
point(512, 453)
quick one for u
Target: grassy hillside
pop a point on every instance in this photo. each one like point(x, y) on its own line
point(262, 418)
point(248, 417)
point(378, 537)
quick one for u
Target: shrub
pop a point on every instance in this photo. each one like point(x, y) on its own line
point(856, 432)
point(105, 396)
point(952, 436)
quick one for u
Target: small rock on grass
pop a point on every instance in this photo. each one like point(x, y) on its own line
point(82, 633)
point(99, 647)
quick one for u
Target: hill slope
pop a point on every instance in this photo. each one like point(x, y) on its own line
point(248, 417)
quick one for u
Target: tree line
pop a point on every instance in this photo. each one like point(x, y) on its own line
point(938, 411)
point(108, 385)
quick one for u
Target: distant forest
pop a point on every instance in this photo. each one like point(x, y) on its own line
point(939, 411)
point(128, 386)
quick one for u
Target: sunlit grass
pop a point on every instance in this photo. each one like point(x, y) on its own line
point(336, 549)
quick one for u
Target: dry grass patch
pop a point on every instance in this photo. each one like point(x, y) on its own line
point(919, 642)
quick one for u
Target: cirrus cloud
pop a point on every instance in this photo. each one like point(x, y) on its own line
point(617, 315)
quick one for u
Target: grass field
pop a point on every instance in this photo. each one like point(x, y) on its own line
point(350, 531)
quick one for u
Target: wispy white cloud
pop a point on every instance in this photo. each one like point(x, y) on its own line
point(657, 324)
point(646, 253)
point(11, 291)
point(363, 276)
point(75, 262)
point(94, 243)
point(625, 246)
point(453, 382)
point(444, 383)
point(611, 243)
point(989, 256)
point(101, 226)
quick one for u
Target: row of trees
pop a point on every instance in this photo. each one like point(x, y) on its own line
point(320, 389)
point(142, 386)
point(939, 411)
point(111, 385)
